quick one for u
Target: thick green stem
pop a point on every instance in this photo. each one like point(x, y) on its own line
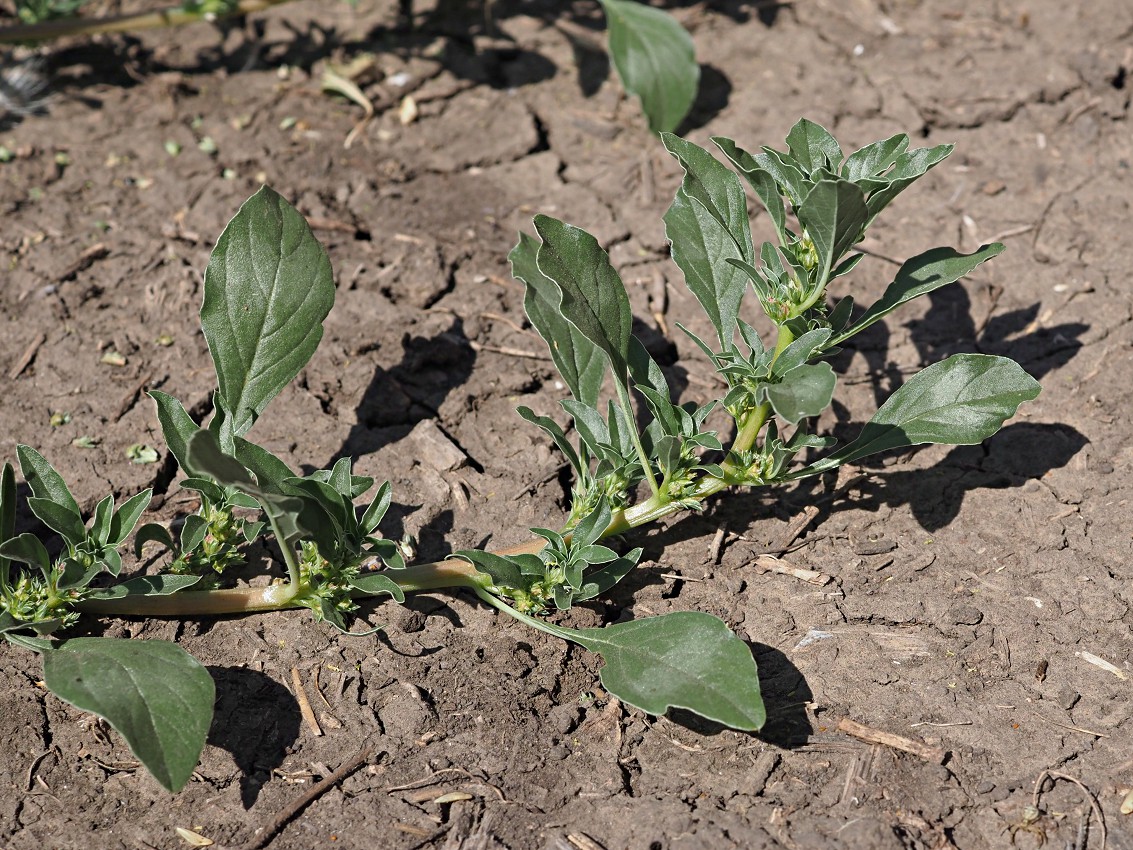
point(195, 603)
point(753, 420)
point(213, 603)
point(171, 17)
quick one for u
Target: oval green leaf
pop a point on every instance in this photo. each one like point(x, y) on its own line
point(706, 224)
point(594, 298)
point(268, 287)
point(578, 360)
point(656, 60)
point(688, 660)
point(918, 276)
point(959, 401)
point(153, 693)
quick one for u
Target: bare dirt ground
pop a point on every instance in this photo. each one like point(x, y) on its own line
point(970, 585)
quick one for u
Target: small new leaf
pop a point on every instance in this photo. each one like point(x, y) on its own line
point(812, 147)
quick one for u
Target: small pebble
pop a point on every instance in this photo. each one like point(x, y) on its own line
point(412, 621)
point(964, 615)
point(557, 752)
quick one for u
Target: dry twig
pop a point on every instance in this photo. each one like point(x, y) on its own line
point(284, 817)
point(304, 704)
point(876, 736)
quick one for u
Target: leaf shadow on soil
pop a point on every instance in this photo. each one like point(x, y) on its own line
point(1020, 452)
point(256, 719)
point(948, 328)
point(398, 398)
point(1017, 454)
point(500, 62)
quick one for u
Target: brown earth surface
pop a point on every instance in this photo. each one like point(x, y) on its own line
point(971, 586)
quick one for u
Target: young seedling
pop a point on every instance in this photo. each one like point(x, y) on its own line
point(268, 288)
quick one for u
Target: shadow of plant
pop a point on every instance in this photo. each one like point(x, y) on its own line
point(1016, 454)
point(256, 719)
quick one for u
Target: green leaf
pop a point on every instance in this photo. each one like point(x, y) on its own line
point(372, 584)
point(193, 532)
point(323, 494)
point(205, 458)
point(600, 580)
point(127, 516)
point(27, 549)
point(290, 512)
point(834, 214)
point(813, 147)
point(874, 158)
point(959, 401)
point(159, 585)
point(46, 483)
point(100, 522)
point(152, 532)
point(269, 470)
point(153, 693)
point(920, 275)
point(177, 426)
point(209, 489)
point(592, 526)
point(377, 508)
point(846, 266)
point(688, 660)
point(503, 572)
point(656, 60)
point(668, 453)
point(9, 624)
point(59, 519)
point(706, 224)
point(800, 351)
point(906, 170)
point(588, 422)
point(785, 173)
point(594, 298)
point(804, 391)
point(268, 287)
point(761, 181)
point(579, 361)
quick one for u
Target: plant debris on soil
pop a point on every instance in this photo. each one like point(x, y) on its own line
point(946, 642)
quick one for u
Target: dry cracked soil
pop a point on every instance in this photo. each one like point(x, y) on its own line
point(971, 589)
